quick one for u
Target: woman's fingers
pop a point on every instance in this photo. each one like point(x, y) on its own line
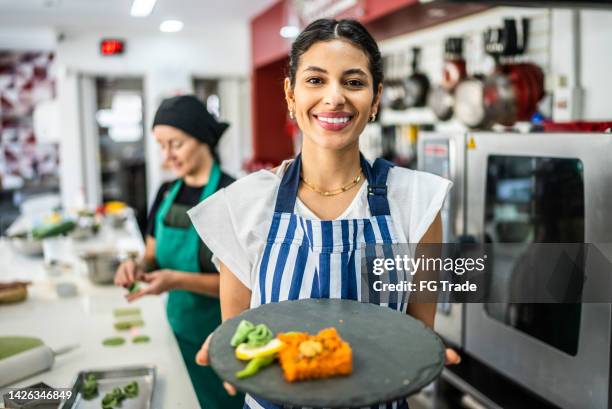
point(149, 278)
point(202, 359)
point(229, 388)
point(130, 271)
point(452, 357)
point(120, 277)
point(138, 294)
point(202, 355)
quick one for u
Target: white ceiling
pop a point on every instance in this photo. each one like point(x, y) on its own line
point(83, 15)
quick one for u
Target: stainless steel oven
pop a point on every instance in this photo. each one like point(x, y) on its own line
point(542, 188)
point(443, 154)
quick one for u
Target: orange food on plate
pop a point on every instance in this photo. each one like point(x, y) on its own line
point(306, 356)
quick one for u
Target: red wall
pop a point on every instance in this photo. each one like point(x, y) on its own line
point(266, 43)
point(271, 142)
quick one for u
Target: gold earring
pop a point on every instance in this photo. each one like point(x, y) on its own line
point(373, 117)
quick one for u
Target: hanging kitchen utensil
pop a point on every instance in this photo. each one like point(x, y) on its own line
point(441, 103)
point(387, 91)
point(417, 84)
point(513, 92)
point(393, 91)
point(469, 105)
point(441, 98)
point(399, 88)
point(454, 69)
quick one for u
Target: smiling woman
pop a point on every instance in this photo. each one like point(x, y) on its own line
point(298, 231)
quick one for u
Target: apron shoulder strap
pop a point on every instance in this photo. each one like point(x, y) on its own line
point(377, 186)
point(288, 189)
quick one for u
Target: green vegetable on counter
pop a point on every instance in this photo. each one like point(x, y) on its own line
point(131, 389)
point(259, 336)
point(109, 401)
point(122, 312)
point(113, 342)
point(241, 333)
point(123, 325)
point(113, 399)
point(90, 387)
point(52, 230)
point(119, 395)
point(255, 365)
point(141, 339)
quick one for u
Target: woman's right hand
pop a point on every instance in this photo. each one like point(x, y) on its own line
point(202, 359)
point(127, 273)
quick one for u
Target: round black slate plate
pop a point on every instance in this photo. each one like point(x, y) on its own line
point(394, 355)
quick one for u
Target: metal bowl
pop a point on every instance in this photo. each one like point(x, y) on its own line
point(26, 245)
point(101, 266)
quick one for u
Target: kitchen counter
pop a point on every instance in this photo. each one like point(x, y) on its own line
point(87, 319)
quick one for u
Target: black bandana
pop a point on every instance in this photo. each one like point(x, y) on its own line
point(188, 113)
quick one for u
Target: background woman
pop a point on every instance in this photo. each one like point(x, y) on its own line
point(175, 258)
point(296, 232)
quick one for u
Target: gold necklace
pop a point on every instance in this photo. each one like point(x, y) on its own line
point(335, 192)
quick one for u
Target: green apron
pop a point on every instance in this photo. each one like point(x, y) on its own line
point(192, 316)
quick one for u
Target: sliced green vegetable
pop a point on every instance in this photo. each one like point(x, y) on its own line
point(131, 389)
point(90, 387)
point(123, 325)
point(118, 394)
point(133, 288)
point(109, 401)
point(241, 333)
point(259, 336)
point(53, 230)
point(122, 312)
point(141, 339)
point(255, 365)
point(113, 342)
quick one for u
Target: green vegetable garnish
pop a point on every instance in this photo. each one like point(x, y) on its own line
point(241, 333)
point(131, 389)
point(141, 339)
point(118, 394)
point(109, 401)
point(259, 336)
point(133, 288)
point(122, 312)
point(113, 342)
point(123, 325)
point(255, 365)
point(90, 387)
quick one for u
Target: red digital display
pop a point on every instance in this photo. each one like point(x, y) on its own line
point(112, 47)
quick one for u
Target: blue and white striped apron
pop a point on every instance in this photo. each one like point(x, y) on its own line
point(306, 258)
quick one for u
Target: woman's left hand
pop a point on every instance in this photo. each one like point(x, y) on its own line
point(451, 357)
point(159, 281)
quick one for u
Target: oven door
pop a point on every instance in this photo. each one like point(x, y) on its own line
point(553, 188)
point(443, 154)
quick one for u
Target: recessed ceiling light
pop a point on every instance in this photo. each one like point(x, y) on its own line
point(142, 8)
point(171, 26)
point(289, 31)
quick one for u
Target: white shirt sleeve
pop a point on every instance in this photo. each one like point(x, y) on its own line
point(233, 223)
point(415, 198)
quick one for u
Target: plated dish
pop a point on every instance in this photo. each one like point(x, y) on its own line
point(392, 355)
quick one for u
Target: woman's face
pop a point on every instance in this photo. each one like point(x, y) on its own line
point(183, 154)
point(333, 97)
